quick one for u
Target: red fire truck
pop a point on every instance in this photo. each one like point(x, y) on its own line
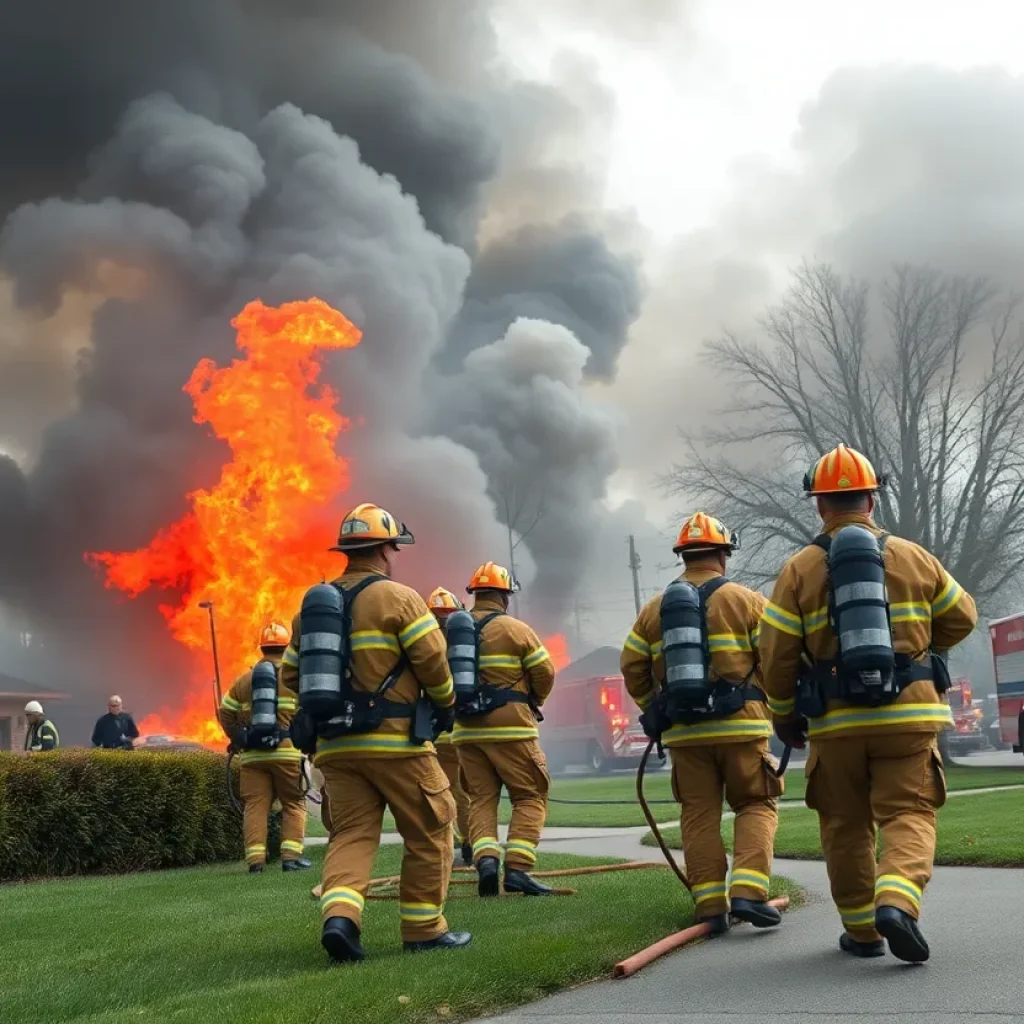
point(1007, 637)
point(589, 719)
point(966, 735)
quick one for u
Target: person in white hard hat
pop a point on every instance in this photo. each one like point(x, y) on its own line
point(42, 733)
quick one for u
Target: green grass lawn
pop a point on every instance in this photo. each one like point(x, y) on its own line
point(657, 787)
point(982, 830)
point(214, 944)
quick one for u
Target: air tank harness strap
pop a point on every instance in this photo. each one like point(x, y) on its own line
point(907, 671)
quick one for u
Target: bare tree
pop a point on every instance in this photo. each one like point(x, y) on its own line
point(521, 508)
point(935, 397)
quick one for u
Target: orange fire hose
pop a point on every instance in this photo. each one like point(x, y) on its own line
point(627, 968)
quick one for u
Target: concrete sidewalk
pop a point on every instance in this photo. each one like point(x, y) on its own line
point(796, 974)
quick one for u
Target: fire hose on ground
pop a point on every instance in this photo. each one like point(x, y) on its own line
point(386, 888)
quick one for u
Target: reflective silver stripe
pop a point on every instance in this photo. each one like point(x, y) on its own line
point(320, 681)
point(265, 694)
point(860, 592)
point(320, 641)
point(681, 635)
point(677, 672)
point(865, 638)
point(462, 651)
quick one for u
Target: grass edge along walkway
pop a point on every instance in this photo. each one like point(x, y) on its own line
point(983, 830)
point(215, 944)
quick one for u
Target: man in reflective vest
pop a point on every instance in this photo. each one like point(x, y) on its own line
point(267, 775)
point(869, 765)
point(725, 755)
point(42, 733)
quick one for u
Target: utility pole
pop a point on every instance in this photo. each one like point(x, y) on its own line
point(512, 568)
point(634, 568)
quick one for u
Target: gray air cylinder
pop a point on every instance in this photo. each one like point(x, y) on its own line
point(682, 638)
point(860, 605)
point(323, 652)
point(264, 697)
point(462, 654)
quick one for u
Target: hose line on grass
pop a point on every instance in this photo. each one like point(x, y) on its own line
point(650, 817)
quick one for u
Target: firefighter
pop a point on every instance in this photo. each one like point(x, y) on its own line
point(718, 738)
point(42, 733)
point(873, 714)
point(442, 603)
point(267, 772)
point(500, 748)
point(393, 637)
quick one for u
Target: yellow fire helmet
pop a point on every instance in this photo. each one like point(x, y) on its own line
point(368, 526)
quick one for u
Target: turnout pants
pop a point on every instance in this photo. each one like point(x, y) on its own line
point(259, 784)
point(700, 776)
point(448, 757)
point(519, 766)
point(418, 794)
point(896, 782)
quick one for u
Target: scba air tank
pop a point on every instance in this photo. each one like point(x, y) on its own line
point(461, 635)
point(323, 655)
point(264, 698)
point(861, 606)
point(682, 638)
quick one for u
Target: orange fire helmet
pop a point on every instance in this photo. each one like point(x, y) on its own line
point(842, 471)
point(491, 576)
point(275, 634)
point(701, 532)
point(368, 526)
point(442, 600)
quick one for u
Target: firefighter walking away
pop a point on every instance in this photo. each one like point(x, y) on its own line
point(442, 603)
point(691, 664)
point(853, 646)
point(502, 674)
point(369, 663)
point(255, 714)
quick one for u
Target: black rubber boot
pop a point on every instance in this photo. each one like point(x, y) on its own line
point(760, 915)
point(719, 923)
point(487, 872)
point(299, 864)
point(450, 940)
point(341, 940)
point(900, 930)
point(467, 854)
point(255, 869)
point(520, 881)
point(865, 950)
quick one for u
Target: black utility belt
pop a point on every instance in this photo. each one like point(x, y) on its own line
point(725, 700)
point(824, 681)
point(488, 699)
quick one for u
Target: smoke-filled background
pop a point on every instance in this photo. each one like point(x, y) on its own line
point(536, 212)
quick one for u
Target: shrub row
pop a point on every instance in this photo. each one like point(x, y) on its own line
point(77, 812)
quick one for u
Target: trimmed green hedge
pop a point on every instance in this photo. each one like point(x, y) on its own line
point(74, 812)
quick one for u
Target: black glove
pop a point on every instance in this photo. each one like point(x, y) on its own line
point(650, 722)
point(239, 740)
point(443, 721)
point(303, 733)
point(792, 732)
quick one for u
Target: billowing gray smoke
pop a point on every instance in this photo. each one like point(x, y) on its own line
point(547, 451)
point(279, 151)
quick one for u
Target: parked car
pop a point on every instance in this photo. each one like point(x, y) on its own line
point(165, 741)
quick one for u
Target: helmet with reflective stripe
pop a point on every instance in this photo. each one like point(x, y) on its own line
point(701, 532)
point(369, 526)
point(842, 471)
point(275, 634)
point(491, 576)
point(442, 600)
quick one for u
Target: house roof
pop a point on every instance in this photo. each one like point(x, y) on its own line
point(604, 661)
point(12, 688)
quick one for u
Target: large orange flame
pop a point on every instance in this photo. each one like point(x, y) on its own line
point(254, 542)
point(558, 648)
